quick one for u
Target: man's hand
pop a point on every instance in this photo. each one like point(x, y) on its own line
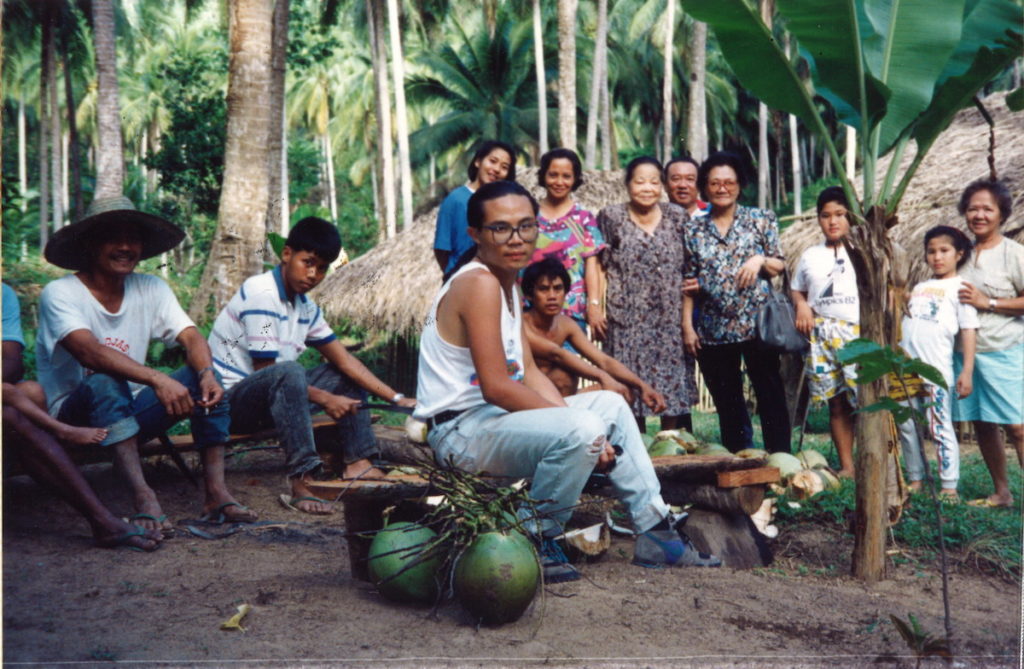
point(804, 319)
point(173, 396)
point(337, 406)
point(652, 399)
point(606, 460)
point(749, 272)
point(407, 402)
point(964, 384)
point(607, 382)
point(210, 391)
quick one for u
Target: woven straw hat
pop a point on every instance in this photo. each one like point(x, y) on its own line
point(69, 247)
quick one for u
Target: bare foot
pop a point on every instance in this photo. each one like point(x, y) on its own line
point(228, 511)
point(845, 473)
point(81, 435)
point(362, 470)
point(149, 516)
point(304, 500)
point(129, 536)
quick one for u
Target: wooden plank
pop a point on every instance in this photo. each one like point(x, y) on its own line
point(700, 468)
point(394, 487)
point(744, 477)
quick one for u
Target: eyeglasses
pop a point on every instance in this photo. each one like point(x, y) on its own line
point(502, 233)
point(728, 185)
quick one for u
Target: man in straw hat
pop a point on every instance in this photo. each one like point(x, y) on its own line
point(95, 327)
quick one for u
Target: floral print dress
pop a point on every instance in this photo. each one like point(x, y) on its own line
point(570, 239)
point(645, 302)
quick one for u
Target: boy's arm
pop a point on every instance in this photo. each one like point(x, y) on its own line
point(969, 343)
point(549, 350)
point(349, 365)
point(804, 313)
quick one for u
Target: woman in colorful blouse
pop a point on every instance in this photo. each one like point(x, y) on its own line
point(732, 253)
point(569, 234)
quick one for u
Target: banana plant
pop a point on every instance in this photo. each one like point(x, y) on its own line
point(898, 71)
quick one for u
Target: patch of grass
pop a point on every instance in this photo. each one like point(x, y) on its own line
point(830, 507)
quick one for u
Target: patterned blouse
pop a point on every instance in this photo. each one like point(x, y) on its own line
point(727, 315)
point(570, 240)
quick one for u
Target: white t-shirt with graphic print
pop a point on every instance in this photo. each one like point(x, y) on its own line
point(936, 317)
point(148, 311)
point(826, 275)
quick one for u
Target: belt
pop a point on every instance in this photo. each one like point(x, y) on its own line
point(443, 417)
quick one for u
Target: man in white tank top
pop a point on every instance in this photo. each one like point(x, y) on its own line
point(490, 409)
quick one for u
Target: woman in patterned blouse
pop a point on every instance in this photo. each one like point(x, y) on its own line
point(569, 234)
point(732, 253)
point(643, 257)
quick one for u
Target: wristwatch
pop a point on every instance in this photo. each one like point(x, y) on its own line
point(991, 304)
point(397, 397)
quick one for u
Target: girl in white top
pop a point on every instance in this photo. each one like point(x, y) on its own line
point(929, 330)
point(490, 409)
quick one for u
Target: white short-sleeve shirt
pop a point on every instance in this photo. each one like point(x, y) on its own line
point(148, 311)
point(827, 276)
point(936, 317)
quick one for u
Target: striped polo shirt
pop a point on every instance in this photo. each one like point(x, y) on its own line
point(260, 322)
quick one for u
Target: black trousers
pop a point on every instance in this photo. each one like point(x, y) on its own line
point(720, 366)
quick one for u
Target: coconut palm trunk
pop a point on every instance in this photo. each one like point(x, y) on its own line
point(696, 111)
point(666, 84)
point(22, 154)
point(56, 132)
point(401, 118)
point(237, 250)
point(74, 154)
point(277, 202)
point(385, 152)
point(567, 73)
point(597, 82)
point(44, 128)
point(767, 8)
point(109, 147)
point(542, 88)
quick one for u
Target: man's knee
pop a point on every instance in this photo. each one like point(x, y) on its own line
point(586, 432)
point(104, 385)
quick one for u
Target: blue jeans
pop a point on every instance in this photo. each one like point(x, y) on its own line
point(558, 448)
point(106, 401)
point(277, 396)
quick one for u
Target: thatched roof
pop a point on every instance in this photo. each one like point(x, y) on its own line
point(959, 156)
point(390, 287)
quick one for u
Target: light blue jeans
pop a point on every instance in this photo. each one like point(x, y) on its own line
point(943, 436)
point(558, 449)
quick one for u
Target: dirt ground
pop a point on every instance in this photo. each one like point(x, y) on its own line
point(65, 601)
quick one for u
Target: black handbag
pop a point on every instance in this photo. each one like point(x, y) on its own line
point(776, 323)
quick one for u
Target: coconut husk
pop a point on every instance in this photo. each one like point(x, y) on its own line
point(957, 158)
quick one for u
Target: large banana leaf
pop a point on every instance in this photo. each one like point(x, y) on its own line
point(919, 38)
point(992, 38)
point(830, 35)
point(755, 57)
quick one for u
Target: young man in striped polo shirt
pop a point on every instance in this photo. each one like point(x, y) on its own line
point(256, 341)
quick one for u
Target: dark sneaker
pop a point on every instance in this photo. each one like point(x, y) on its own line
point(667, 546)
point(554, 564)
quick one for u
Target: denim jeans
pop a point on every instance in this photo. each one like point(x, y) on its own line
point(106, 401)
point(558, 448)
point(720, 365)
point(277, 396)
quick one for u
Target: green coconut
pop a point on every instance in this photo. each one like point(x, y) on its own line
point(497, 577)
point(787, 463)
point(812, 459)
point(752, 453)
point(713, 449)
point(393, 550)
point(647, 439)
point(665, 447)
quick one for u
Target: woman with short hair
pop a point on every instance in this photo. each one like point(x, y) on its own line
point(993, 283)
point(733, 252)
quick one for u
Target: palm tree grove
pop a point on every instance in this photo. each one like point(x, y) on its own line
point(444, 333)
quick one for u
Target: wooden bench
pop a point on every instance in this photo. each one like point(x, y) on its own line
point(724, 491)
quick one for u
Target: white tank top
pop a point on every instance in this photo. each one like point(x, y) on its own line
point(446, 379)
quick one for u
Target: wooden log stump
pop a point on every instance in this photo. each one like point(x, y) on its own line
point(730, 536)
point(745, 499)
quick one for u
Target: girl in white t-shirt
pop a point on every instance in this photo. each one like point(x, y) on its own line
point(934, 318)
point(824, 293)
